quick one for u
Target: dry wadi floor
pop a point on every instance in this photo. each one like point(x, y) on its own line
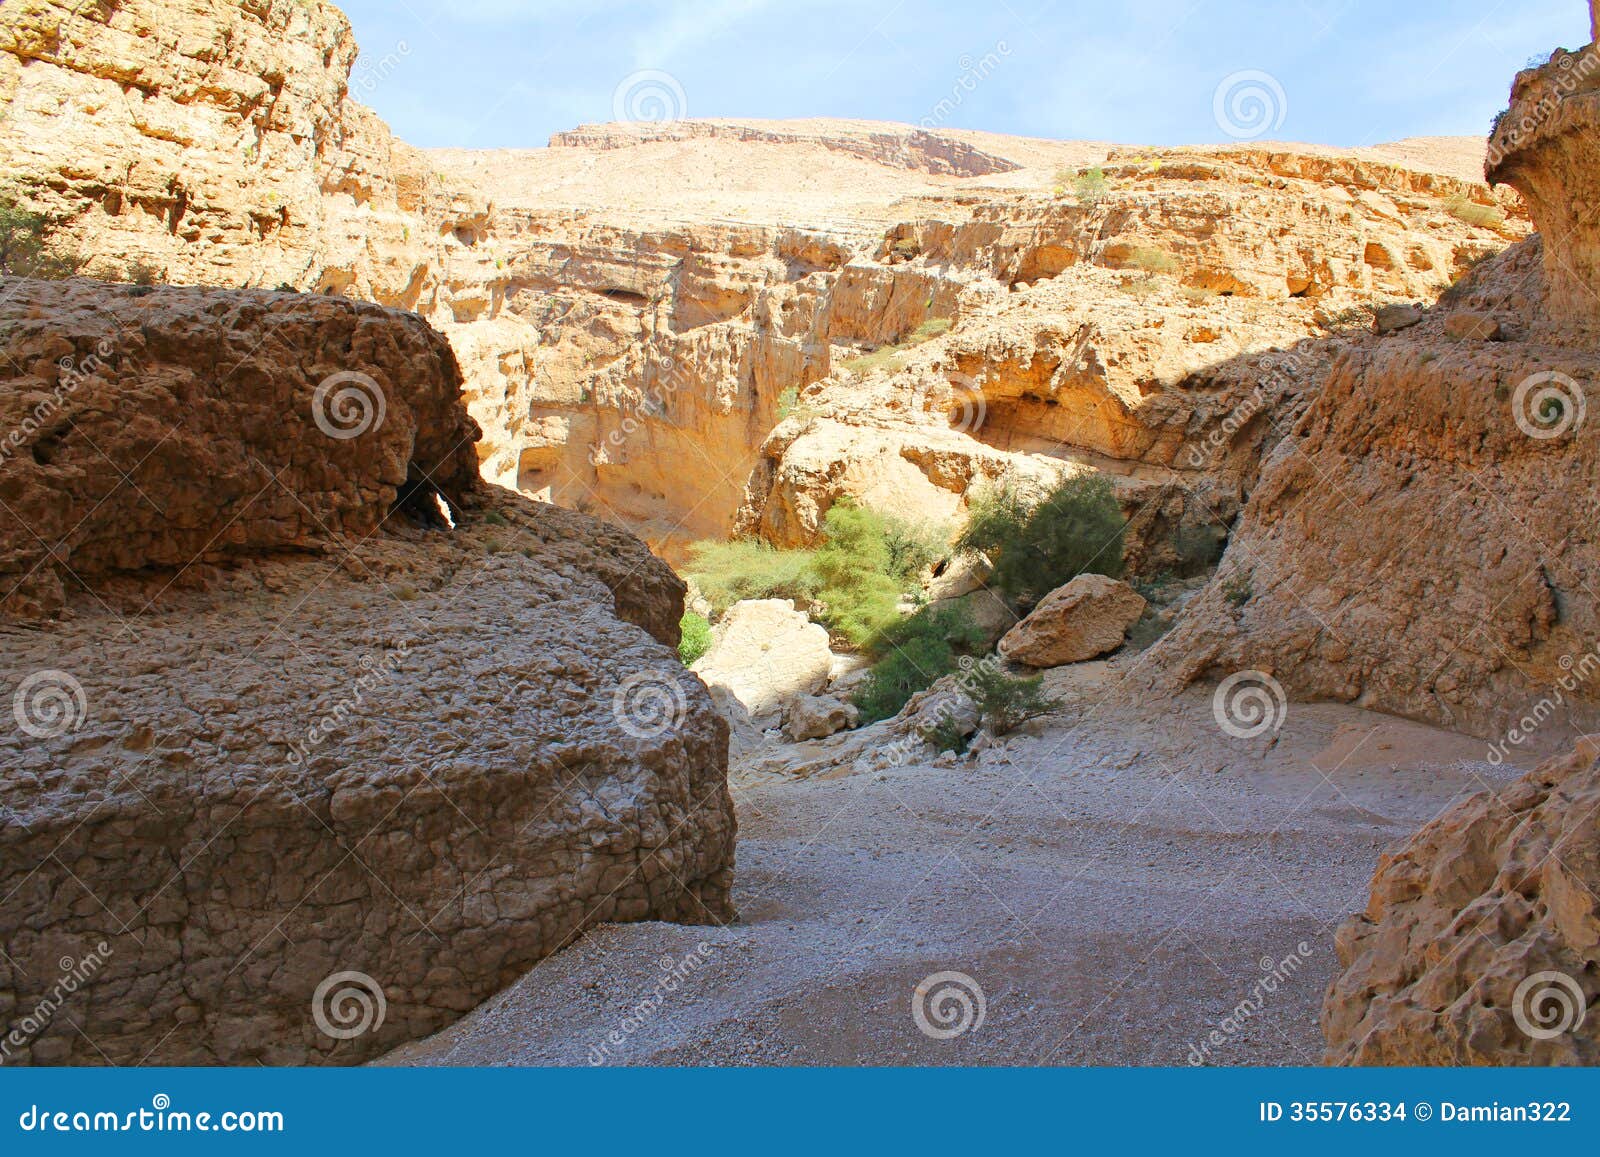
point(1117, 883)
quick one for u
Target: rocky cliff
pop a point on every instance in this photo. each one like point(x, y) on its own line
point(327, 741)
point(662, 325)
point(1481, 941)
point(1420, 543)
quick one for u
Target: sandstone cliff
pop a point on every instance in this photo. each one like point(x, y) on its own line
point(1421, 543)
point(1480, 943)
point(292, 723)
point(638, 309)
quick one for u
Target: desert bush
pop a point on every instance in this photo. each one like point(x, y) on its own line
point(695, 637)
point(1090, 185)
point(912, 654)
point(860, 568)
point(1036, 546)
point(730, 572)
point(948, 735)
point(1008, 703)
point(1198, 548)
point(1152, 260)
point(858, 581)
point(914, 547)
point(25, 248)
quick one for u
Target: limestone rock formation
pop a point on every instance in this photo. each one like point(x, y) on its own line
point(292, 724)
point(764, 652)
point(159, 428)
point(1546, 145)
point(660, 325)
point(1481, 944)
point(1083, 619)
point(1403, 549)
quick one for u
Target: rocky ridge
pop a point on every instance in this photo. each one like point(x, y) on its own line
point(643, 295)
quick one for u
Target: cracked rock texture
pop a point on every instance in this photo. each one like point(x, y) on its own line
point(275, 735)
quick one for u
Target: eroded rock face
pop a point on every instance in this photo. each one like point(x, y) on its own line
point(158, 428)
point(1422, 544)
point(1083, 619)
point(1481, 944)
point(637, 311)
point(340, 737)
point(1546, 145)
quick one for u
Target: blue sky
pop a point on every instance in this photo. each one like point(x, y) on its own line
point(508, 73)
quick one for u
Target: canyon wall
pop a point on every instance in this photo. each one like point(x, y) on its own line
point(318, 718)
point(661, 325)
point(1420, 543)
point(1481, 939)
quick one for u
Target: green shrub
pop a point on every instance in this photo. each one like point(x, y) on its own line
point(1152, 260)
point(1198, 548)
point(913, 547)
point(730, 572)
point(948, 735)
point(25, 249)
point(857, 580)
point(695, 639)
point(912, 654)
point(1036, 546)
point(1090, 185)
point(1008, 703)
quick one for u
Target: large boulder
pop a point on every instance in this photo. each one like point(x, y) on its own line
point(1481, 942)
point(1084, 619)
point(765, 652)
point(817, 717)
point(305, 772)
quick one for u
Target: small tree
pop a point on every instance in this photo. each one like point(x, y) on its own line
point(1076, 529)
point(1008, 703)
point(24, 244)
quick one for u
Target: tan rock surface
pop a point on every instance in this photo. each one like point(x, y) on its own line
point(1482, 938)
point(1083, 619)
point(636, 308)
point(339, 737)
point(765, 652)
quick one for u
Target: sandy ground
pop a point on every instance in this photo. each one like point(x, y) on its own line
point(1117, 885)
